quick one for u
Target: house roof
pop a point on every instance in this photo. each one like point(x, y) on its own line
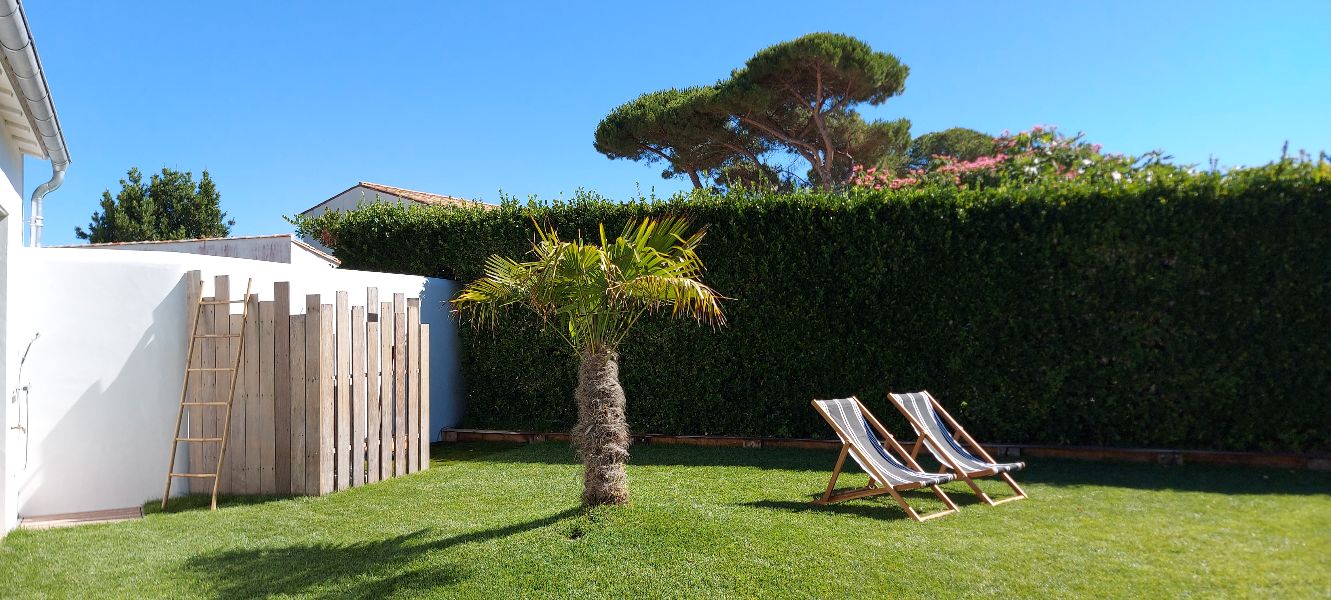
point(406, 194)
point(26, 108)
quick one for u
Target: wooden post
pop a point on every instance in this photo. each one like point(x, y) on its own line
point(282, 387)
point(414, 385)
point(424, 379)
point(193, 416)
point(246, 452)
point(221, 379)
point(399, 394)
point(372, 408)
point(386, 390)
point(267, 415)
point(296, 458)
point(200, 393)
point(327, 373)
point(233, 471)
point(358, 396)
point(313, 404)
point(342, 391)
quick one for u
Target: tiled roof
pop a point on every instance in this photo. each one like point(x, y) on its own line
point(422, 197)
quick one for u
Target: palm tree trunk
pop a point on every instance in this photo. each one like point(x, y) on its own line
point(602, 433)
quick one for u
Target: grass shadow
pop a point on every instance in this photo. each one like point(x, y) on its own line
point(194, 502)
point(372, 569)
point(1186, 478)
point(882, 508)
point(1039, 471)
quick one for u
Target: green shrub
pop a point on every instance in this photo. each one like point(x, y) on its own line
point(1191, 311)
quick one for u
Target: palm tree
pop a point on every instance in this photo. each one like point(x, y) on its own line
point(593, 295)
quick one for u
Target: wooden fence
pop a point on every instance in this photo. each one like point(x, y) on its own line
point(329, 396)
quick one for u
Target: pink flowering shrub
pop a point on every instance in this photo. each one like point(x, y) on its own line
point(1041, 154)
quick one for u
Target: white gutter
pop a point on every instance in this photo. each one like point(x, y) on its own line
point(25, 74)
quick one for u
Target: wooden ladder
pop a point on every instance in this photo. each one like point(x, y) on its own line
point(234, 369)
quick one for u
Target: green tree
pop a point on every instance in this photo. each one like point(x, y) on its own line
point(958, 142)
point(685, 128)
point(881, 144)
point(793, 94)
point(593, 295)
point(170, 206)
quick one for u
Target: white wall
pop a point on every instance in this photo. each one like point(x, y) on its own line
point(11, 239)
point(106, 370)
point(272, 248)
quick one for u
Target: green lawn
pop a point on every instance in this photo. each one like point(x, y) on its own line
point(502, 521)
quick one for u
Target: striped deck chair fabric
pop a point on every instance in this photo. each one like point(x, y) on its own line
point(888, 474)
point(922, 410)
point(853, 429)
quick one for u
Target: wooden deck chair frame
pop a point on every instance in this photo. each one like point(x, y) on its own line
point(960, 434)
point(874, 489)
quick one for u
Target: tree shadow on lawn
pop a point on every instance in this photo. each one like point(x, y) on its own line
point(1039, 471)
point(372, 569)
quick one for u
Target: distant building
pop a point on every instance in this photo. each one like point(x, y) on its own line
point(279, 248)
point(365, 192)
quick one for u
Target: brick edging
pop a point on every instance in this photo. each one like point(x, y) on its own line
point(1140, 455)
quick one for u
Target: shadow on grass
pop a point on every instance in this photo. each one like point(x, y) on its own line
point(786, 459)
point(373, 569)
point(882, 507)
point(204, 502)
point(1039, 471)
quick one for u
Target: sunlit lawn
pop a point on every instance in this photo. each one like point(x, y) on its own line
point(502, 521)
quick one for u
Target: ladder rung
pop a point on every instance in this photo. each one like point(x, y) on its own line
point(209, 439)
point(211, 369)
point(217, 335)
point(204, 403)
point(194, 474)
point(212, 302)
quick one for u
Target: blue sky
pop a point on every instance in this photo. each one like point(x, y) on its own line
point(288, 103)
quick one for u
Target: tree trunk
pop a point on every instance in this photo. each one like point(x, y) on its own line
point(602, 433)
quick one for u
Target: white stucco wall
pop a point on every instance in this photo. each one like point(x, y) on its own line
point(106, 369)
point(11, 239)
point(272, 248)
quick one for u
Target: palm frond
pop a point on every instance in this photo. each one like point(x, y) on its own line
point(596, 293)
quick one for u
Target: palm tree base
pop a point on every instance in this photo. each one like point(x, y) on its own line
point(601, 435)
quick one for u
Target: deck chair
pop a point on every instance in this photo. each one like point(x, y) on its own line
point(927, 416)
point(887, 475)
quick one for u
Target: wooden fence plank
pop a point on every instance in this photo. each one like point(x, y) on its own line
point(221, 360)
point(342, 391)
point(372, 408)
point(327, 373)
point(282, 387)
point(358, 396)
point(424, 379)
point(313, 417)
point(386, 390)
point(267, 414)
point(199, 393)
point(399, 394)
point(296, 458)
point(193, 293)
point(413, 385)
point(247, 407)
point(234, 481)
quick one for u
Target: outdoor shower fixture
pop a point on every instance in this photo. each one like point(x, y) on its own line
point(22, 409)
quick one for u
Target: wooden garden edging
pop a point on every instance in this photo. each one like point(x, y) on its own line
point(1309, 462)
point(330, 396)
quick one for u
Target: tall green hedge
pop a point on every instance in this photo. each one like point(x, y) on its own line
point(1193, 312)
